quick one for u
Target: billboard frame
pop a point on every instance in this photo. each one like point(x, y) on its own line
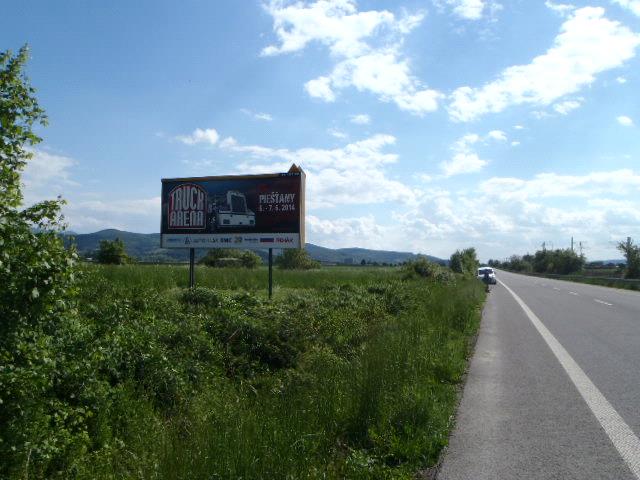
point(294, 171)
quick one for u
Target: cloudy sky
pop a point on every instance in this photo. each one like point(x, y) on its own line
point(424, 125)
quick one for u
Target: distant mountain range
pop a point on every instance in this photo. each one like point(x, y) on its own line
point(146, 247)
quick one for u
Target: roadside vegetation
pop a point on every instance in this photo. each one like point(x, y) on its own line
point(559, 261)
point(568, 265)
point(112, 252)
point(352, 378)
point(118, 371)
point(464, 262)
point(219, 257)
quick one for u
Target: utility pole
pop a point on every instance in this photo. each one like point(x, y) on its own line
point(544, 246)
point(582, 246)
point(572, 244)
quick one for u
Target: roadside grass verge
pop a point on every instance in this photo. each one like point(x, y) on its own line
point(348, 373)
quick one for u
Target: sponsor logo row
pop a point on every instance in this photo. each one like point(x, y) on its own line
point(230, 241)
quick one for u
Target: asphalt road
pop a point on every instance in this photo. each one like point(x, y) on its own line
point(553, 394)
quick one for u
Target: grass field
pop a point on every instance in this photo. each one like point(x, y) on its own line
point(347, 373)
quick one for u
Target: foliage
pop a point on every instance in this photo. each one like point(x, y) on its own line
point(422, 267)
point(112, 253)
point(515, 263)
point(631, 253)
point(38, 423)
point(348, 373)
point(296, 259)
point(560, 261)
point(220, 257)
point(465, 261)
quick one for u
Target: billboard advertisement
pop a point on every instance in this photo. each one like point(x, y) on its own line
point(234, 211)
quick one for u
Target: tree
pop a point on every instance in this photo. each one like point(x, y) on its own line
point(250, 259)
point(296, 259)
point(560, 261)
point(631, 252)
point(465, 261)
point(37, 293)
point(112, 252)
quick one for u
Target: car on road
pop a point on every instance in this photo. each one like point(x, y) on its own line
point(492, 274)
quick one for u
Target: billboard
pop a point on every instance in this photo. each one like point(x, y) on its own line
point(234, 211)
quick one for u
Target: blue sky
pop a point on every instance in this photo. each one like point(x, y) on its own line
point(425, 125)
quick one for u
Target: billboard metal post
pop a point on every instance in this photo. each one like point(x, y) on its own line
point(270, 272)
point(192, 267)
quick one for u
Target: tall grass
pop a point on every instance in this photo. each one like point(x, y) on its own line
point(164, 277)
point(348, 373)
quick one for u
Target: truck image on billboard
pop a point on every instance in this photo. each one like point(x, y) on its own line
point(234, 211)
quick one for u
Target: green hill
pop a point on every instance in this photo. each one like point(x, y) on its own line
point(146, 247)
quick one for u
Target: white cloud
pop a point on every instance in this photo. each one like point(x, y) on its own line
point(353, 174)
point(208, 135)
point(470, 9)
point(518, 127)
point(356, 231)
point(502, 215)
point(467, 9)
point(337, 133)
point(349, 34)
point(138, 215)
point(361, 119)
point(588, 44)
point(632, 5)
point(320, 88)
point(383, 73)
point(563, 108)
point(625, 121)
point(515, 143)
point(463, 162)
point(552, 185)
point(497, 135)
point(560, 8)
point(265, 117)
point(46, 176)
point(334, 23)
point(464, 159)
point(621, 80)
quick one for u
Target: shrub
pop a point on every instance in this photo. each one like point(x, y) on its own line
point(219, 257)
point(37, 299)
point(422, 267)
point(464, 261)
point(250, 259)
point(112, 252)
point(296, 259)
point(632, 254)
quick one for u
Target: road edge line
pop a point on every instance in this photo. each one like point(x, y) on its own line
point(624, 440)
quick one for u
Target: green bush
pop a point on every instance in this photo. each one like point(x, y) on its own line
point(464, 262)
point(632, 255)
point(422, 267)
point(41, 427)
point(296, 259)
point(112, 253)
point(219, 257)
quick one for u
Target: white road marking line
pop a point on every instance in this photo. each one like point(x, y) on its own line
point(573, 293)
point(603, 302)
point(622, 437)
point(556, 288)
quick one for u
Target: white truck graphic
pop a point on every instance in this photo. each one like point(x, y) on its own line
point(230, 210)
